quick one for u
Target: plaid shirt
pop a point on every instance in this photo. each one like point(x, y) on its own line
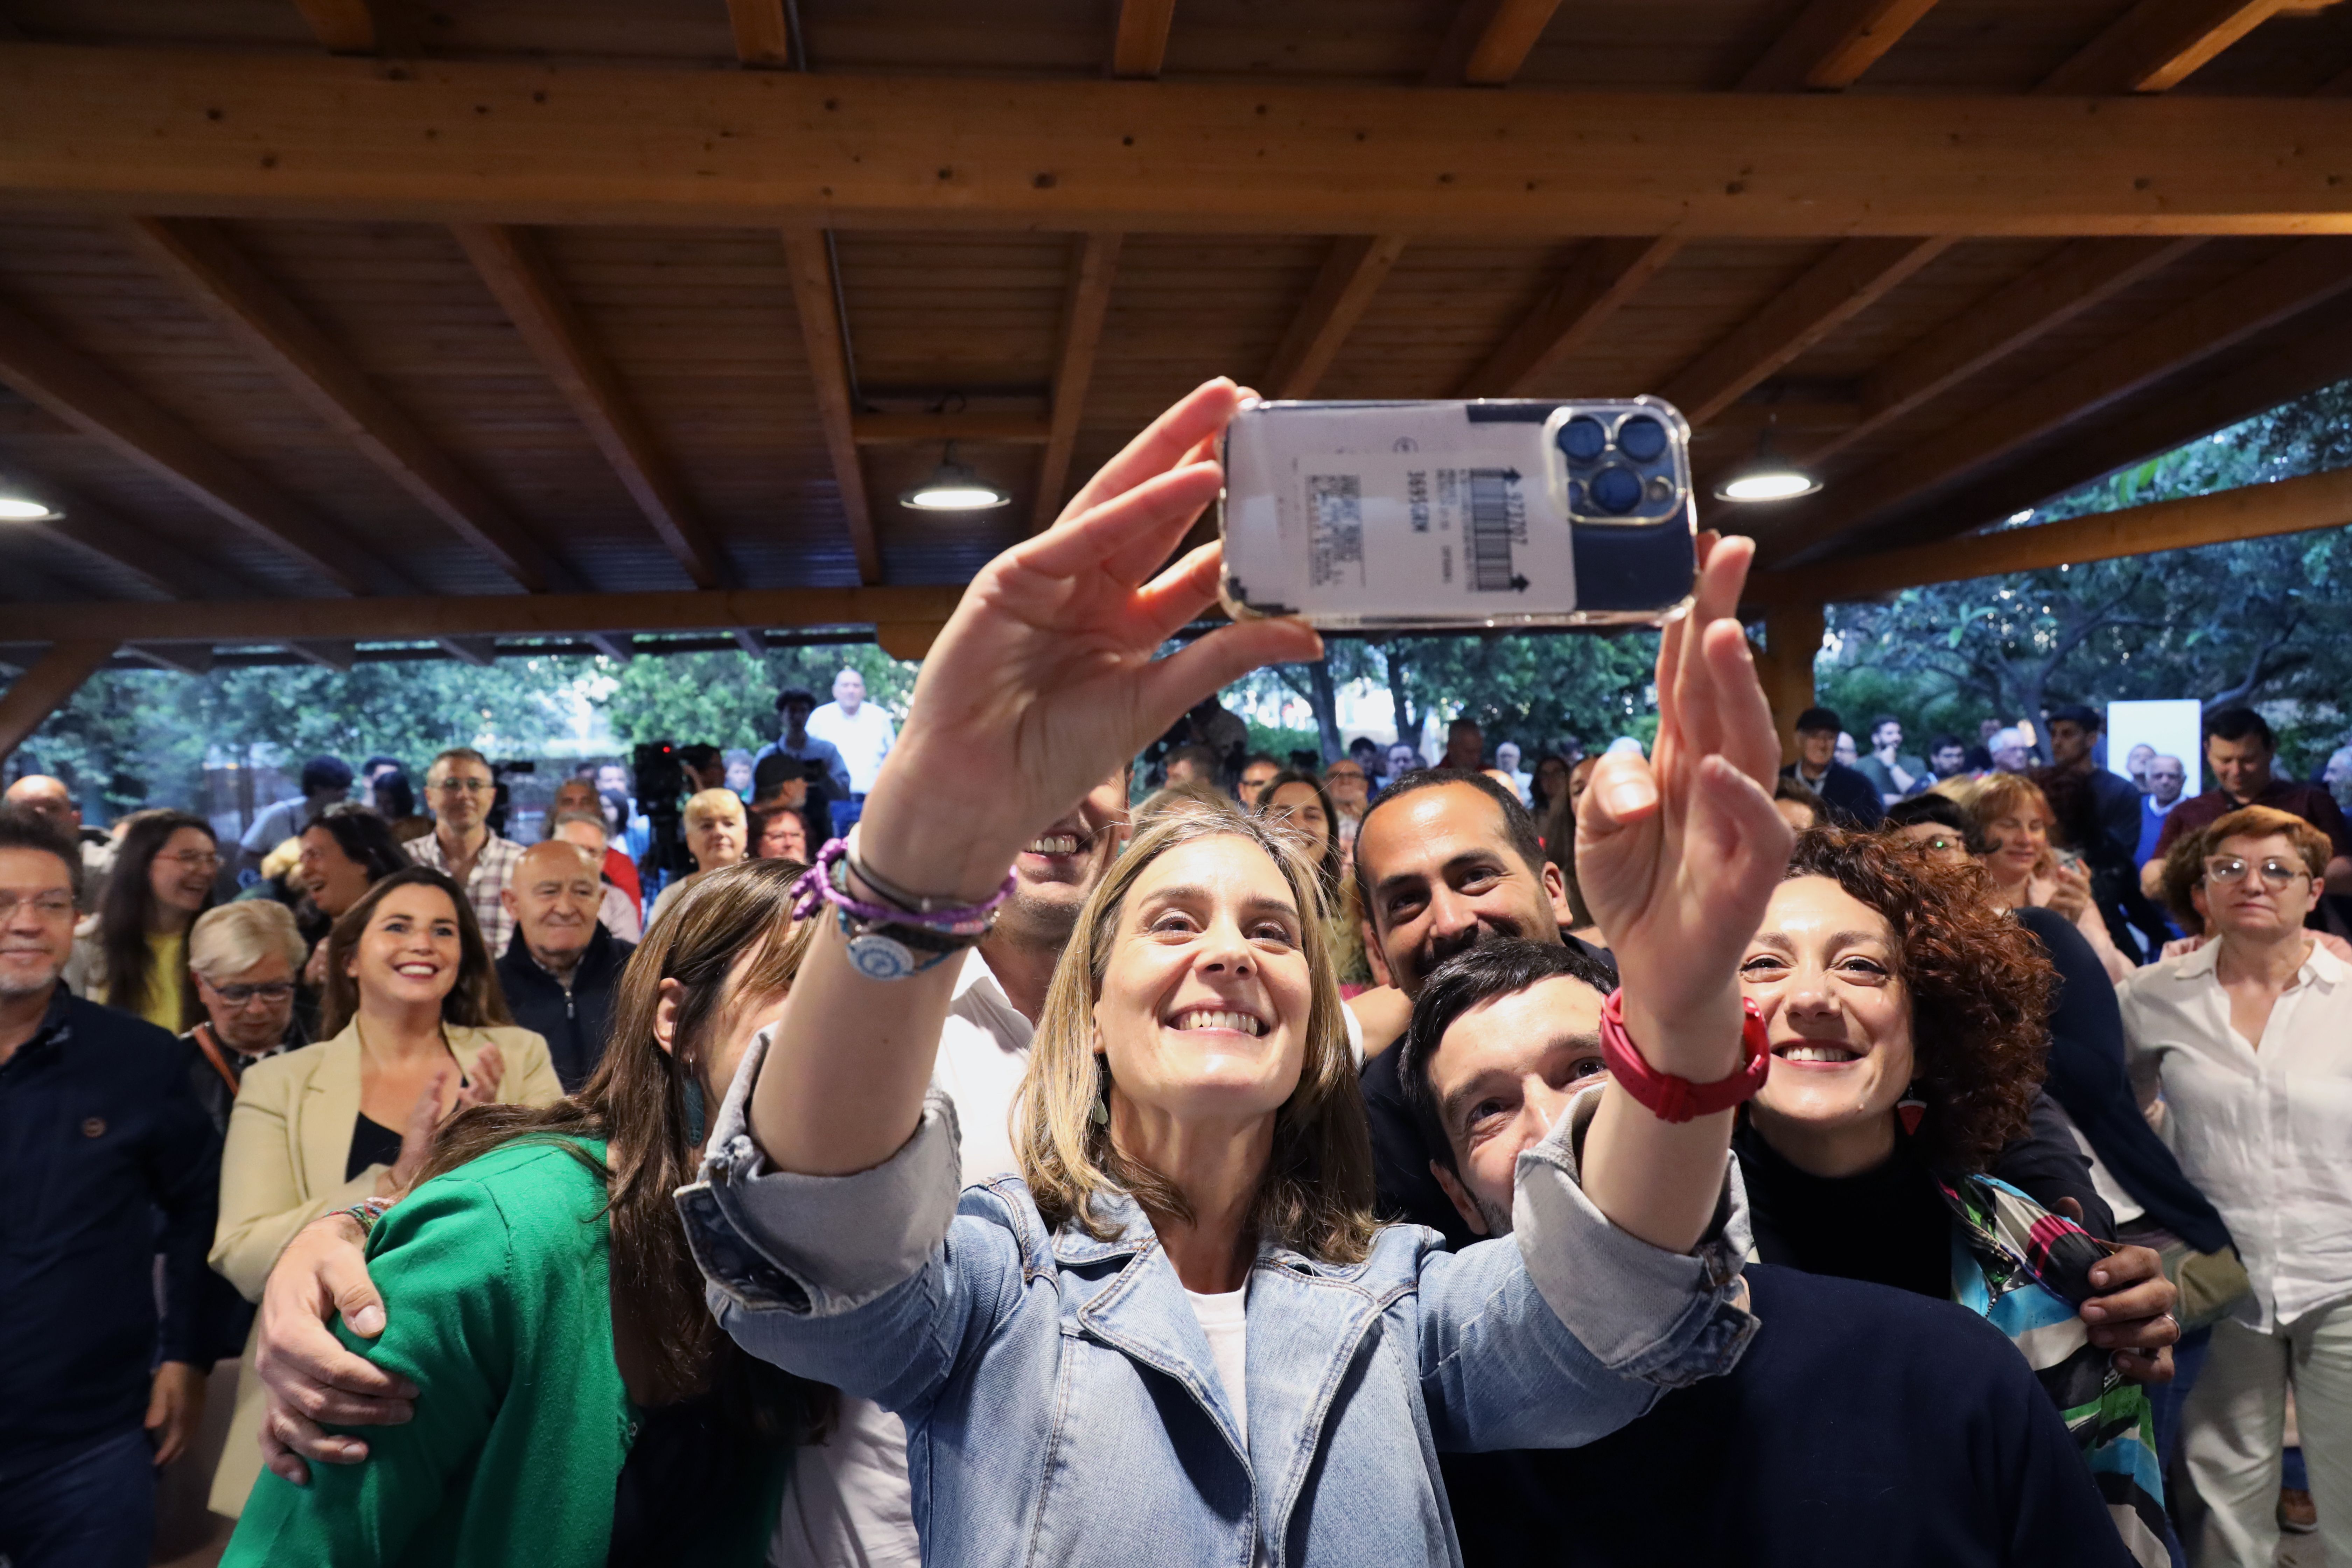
point(492, 866)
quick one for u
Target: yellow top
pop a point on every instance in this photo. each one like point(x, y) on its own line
point(166, 1001)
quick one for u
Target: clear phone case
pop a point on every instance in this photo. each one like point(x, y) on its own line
point(1447, 515)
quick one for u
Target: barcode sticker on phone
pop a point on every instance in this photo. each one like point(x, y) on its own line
point(1498, 518)
point(1335, 505)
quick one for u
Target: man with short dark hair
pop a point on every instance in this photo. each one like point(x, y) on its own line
point(99, 1133)
point(561, 971)
point(1258, 772)
point(793, 706)
point(2073, 731)
point(1465, 746)
point(1818, 1448)
point(1890, 773)
point(326, 781)
point(1947, 757)
point(1853, 799)
point(459, 786)
point(1192, 766)
point(2239, 748)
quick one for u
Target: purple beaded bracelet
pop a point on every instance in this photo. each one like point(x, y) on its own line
point(822, 884)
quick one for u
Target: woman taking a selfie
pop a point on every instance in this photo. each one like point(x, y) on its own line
point(416, 1028)
point(1180, 1327)
point(577, 1405)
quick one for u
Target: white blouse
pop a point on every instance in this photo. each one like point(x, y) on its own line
point(2266, 1133)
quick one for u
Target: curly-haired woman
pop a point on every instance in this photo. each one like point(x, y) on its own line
point(1906, 1019)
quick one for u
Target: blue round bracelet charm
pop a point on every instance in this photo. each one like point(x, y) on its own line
point(879, 957)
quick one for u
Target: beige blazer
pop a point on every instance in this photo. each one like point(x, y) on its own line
point(289, 1137)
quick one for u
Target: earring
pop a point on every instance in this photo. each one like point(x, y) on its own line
point(1910, 1110)
point(1099, 1112)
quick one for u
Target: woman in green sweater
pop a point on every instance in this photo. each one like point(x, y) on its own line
point(581, 1406)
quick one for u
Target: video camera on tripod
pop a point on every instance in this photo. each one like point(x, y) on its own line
point(658, 780)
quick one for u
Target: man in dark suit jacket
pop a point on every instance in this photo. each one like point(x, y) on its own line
point(1854, 800)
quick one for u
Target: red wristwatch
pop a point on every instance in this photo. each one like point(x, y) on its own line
point(1677, 1100)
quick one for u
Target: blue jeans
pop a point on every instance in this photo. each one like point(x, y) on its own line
point(845, 814)
point(94, 1508)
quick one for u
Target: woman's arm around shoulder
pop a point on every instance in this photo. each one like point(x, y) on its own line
point(463, 1290)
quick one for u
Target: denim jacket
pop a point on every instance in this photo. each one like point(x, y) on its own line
point(1061, 1401)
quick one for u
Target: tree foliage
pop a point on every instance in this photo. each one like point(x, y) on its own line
point(2256, 621)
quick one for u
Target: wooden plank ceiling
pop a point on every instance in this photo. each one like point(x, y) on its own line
point(648, 313)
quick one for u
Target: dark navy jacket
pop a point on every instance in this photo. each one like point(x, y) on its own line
point(1850, 797)
point(574, 1023)
point(99, 1133)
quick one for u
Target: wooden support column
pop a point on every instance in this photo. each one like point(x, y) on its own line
point(1793, 638)
point(908, 639)
point(47, 686)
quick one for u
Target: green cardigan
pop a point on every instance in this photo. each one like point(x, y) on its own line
point(497, 1289)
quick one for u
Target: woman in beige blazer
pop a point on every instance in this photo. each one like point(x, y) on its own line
point(417, 1028)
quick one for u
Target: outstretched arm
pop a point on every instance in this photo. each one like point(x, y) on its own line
point(1044, 679)
point(1678, 857)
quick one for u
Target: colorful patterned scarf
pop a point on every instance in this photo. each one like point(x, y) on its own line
point(2027, 1272)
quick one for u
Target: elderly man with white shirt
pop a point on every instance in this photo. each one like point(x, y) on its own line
point(861, 732)
point(2250, 1039)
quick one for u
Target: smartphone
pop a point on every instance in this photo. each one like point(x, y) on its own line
point(1506, 512)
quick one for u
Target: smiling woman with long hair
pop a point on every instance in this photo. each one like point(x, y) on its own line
point(578, 1405)
point(416, 1028)
point(1178, 1331)
point(133, 953)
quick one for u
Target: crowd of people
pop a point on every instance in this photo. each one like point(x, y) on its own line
point(1050, 1129)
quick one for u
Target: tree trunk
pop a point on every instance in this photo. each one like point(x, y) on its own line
point(1407, 724)
point(1324, 697)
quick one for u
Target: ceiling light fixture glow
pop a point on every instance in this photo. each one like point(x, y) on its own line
point(952, 487)
point(1765, 477)
point(25, 509)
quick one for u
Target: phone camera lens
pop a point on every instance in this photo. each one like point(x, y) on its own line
point(1583, 438)
point(1615, 489)
point(1642, 438)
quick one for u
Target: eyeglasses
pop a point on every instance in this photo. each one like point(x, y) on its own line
point(49, 906)
point(2223, 870)
point(1936, 841)
point(195, 859)
point(461, 786)
point(267, 991)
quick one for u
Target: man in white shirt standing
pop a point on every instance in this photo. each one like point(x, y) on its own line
point(861, 732)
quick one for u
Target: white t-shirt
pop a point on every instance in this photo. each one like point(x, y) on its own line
point(849, 1503)
point(863, 738)
point(1221, 1319)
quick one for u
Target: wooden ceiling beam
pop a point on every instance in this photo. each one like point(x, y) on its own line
point(2156, 44)
point(1850, 280)
point(1510, 34)
point(1139, 46)
point(477, 651)
point(2084, 274)
point(763, 40)
point(1086, 306)
point(1831, 43)
point(429, 619)
point(920, 430)
point(518, 275)
point(2254, 512)
point(2295, 279)
point(49, 686)
point(1605, 275)
point(342, 26)
point(337, 654)
point(84, 393)
point(1342, 291)
point(816, 301)
point(2317, 353)
point(103, 535)
point(221, 280)
point(501, 142)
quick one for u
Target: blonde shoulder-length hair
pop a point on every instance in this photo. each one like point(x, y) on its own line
point(1316, 1194)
